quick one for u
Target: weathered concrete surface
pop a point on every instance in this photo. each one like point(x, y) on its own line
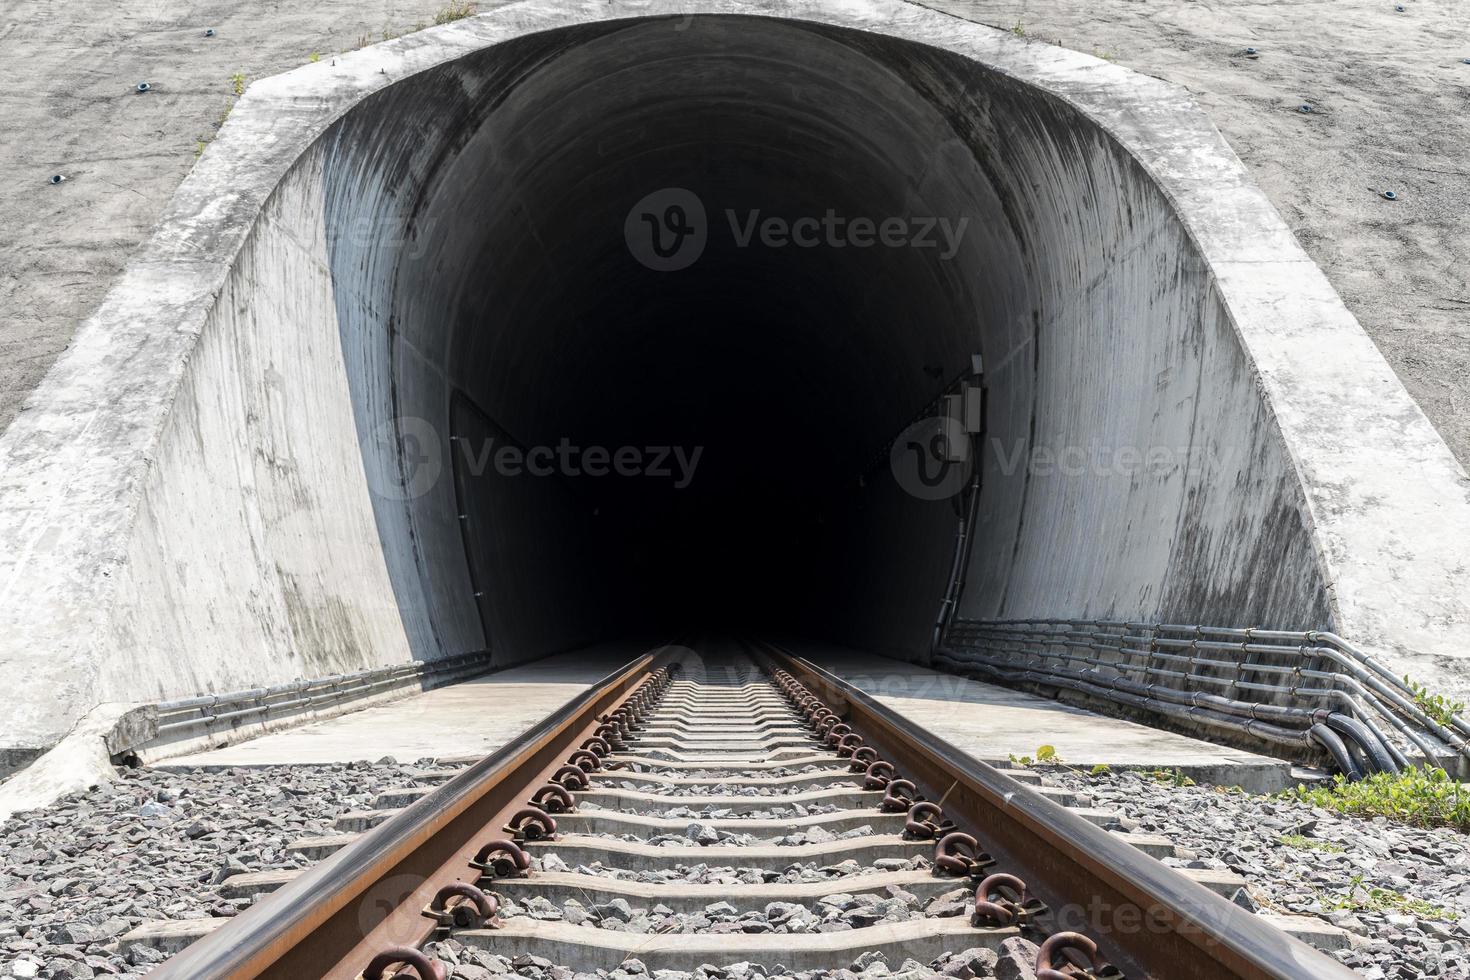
point(210, 486)
point(78, 762)
point(995, 723)
point(1390, 91)
point(472, 718)
point(1394, 80)
point(76, 114)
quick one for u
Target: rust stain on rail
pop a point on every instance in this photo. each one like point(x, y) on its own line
point(1152, 921)
point(338, 915)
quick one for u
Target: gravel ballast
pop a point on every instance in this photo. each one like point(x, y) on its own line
point(78, 876)
point(1403, 892)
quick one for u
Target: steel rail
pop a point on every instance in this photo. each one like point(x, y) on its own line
point(1150, 920)
point(331, 921)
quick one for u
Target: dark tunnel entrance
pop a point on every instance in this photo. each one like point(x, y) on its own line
point(733, 258)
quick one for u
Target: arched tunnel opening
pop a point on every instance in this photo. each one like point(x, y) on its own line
point(631, 314)
point(737, 390)
point(609, 329)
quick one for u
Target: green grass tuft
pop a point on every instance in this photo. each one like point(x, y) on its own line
point(1424, 797)
point(1310, 844)
point(1356, 898)
point(1436, 706)
point(1174, 777)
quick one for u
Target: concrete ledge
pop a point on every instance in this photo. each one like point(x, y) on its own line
point(841, 796)
point(172, 935)
point(1311, 930)
point(798, 784)
point(560, 886)
point(586, 949)
point(81, 760)
point(716, 764)
point(254, 883)
point(316, 848)
point(610, 822)
point(1154, 845)
point(644, 857)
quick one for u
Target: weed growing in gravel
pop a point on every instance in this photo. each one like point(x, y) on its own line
point(1356, 898)
point(457, 10)
point(1046, 755)
point(1421, 797)
point(1310, 844)
point(1173, 777)
point(237, 85)
point(1436, 706)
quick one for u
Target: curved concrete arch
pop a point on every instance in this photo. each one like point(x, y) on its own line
point(419, 246)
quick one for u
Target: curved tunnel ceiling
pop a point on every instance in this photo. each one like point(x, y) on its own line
point(519, 310)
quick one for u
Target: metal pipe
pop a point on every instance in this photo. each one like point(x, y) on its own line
point(1129, 642)
point(1329, 740)
point(1376, 755)
point(1340, 696)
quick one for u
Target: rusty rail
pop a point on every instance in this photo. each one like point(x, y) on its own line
point(1147, 919)
point(341, 914)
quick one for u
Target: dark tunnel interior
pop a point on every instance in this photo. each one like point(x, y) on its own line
point(828, 291)
point(746, 254)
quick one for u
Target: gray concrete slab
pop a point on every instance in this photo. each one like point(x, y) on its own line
point(593, 949)
point(477, 716)
point(634, 856)
point(993, 723)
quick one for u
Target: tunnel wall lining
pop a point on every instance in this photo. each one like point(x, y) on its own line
point(88, 614)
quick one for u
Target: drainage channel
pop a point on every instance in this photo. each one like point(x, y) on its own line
point(746, 814)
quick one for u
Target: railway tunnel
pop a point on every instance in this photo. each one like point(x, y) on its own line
point(547, 327)
point(501, 292)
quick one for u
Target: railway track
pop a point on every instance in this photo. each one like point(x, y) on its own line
point(744, 809)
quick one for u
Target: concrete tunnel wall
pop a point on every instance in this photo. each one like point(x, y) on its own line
point(435, 249)
point(475, 218)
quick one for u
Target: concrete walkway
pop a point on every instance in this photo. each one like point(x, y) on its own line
point(474, 717)
point(993, 723)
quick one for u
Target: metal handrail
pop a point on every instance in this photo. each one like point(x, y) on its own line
point(210, 714)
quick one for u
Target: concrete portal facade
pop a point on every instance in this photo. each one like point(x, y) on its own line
point(213, 488)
